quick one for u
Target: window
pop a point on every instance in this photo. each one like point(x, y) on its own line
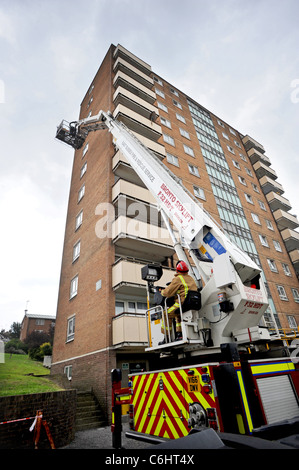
point(292, 321)
point(79, 220)
point(160, 92)
point(230, 149)
point(76, 250)
point(89, 102)
point(176, 103)
point(248, 171)
point(137, 307)
point(169, 140)
point(158, 81)
point(83, 170)
point(237, 144)
point(225, 135)
point(129, 306)
point(269, 224)
point(262, 205)
point(242, 180)
point(282, 293)
point(295, 293)
point(40, 322)
point(162, 106)
point(81, 192)
point(68, 372)
point(255, 218)
point(255, 188)
point(243, 157)
point(199, 192)
point(232, 131)
point(184, 133)
point(85, 150)
point(172, 159)
point(181, 118)
point(263, 241)
point(70, 329)
point(119, 308)
point(248, 198)
point(236, 164)
point(165, 122)
point(220, 123)
point(193, 170)
point(272, 265)
point(277, 245)
point(174, 91)
point(286, 269)
point(189, 150)
point(74, 287)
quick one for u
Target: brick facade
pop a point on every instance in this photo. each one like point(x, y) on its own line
point(59, 410)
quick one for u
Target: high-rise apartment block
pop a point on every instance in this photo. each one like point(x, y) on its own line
point(100, 320)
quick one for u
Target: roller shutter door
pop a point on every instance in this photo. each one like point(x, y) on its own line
point(278, 398)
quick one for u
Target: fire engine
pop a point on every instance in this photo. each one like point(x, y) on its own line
point(226, 372)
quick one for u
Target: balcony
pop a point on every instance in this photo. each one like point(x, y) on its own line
point(126, 278)
point(137, 123)
point(250, 143)
point(291, 239)
point(132, 190)
point(264, 170)
point(294, 255)
point(129, 330)
point(123, 80)
point(285, 220)
point(120, 51)
point(138, 239)
point(122, 168)
point(256, 156)
point(268, 185)
point(134, 103)
point(278, 202)
point(133, 72)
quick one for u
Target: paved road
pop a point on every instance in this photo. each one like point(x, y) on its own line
point(101, 438)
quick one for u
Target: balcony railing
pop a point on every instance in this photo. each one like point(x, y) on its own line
point(138, 239)
point(133, 72)
point(285, 220)
point(263, 170)
point(137, 123)
point(126, 277)
point(129, 330)
point(249, 143)
point(134, 103)
point(268, 185)
point(290, 238)
point(278, 202)
point(256, 156)
point(123, 80)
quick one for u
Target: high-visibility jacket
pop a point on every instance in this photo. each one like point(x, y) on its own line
point(180, 285)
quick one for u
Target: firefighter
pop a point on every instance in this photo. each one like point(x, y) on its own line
point(181, 284)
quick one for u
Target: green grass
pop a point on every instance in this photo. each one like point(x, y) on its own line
point(14, 381)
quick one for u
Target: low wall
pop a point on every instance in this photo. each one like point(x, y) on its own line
point(59, 410)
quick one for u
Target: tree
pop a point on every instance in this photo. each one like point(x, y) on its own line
point(15, 330)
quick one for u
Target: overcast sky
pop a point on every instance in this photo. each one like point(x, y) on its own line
point(238, 58)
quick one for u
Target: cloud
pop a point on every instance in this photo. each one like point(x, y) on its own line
point(7, 29)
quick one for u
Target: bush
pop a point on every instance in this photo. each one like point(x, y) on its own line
point(15, 346)
point(39, 352)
